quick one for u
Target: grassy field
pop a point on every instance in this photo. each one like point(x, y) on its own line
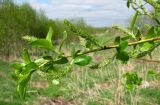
point(85, 86)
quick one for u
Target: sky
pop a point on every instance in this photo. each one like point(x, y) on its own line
point(97, 13)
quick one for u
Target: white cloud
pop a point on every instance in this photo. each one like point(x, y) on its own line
point(95, 12)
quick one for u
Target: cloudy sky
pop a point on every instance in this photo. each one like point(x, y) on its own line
point(95, 12)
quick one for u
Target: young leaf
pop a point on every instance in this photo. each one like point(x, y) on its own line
point(40, 62)
point(122, 29)
point(50, 58)
point(63, 40)
point(82, 60)
point(128, 3)
point(73, 52)
point(138, 34)
point(88, 44)
point(49, 35)
point(42, 43)
point(126, 37)
point(55, 82)
point(48, 67)
point(133, 21)
point(15, 77)
point(29, 38)
point(151, 33)
point(25, 56)
point(22, 85)
point(29, 68)
point(17, 65)
point(146, 46)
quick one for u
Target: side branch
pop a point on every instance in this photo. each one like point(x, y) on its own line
point(148, 60)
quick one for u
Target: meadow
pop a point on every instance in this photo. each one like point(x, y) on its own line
point(85, 86)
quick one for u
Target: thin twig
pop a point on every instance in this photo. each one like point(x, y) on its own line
point(116, 46)
point(149, 60)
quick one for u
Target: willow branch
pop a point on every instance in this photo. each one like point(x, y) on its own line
point(116, 46)
point(156, 6)
point(145, 12)
point(151, 16)
point(153, 3)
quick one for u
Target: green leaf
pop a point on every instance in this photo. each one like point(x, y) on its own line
point(63, 40)
point(61, 60)
point(55, 82)
point(48, 67)
point(50, 34)
point(129, 87)
point(151, 33)
point(43, 43)
point(128, 3)
point(64, 35)
point(133, 21)
point(146, 46)
point(126, 37)
point(138, 34)
point(25, 56)
point(82, 60)
point(123, 56)
point(123, 45)
point(15, 77)
point(132, 80)
point(48, 58)
point(29, 38)
point(122, 29)
point(73, 52)
point(41, 61)
point(22, 85)
point(17, 65)
point(117, 40)
point(88, 44)
point(29, 68)
point(18, 68)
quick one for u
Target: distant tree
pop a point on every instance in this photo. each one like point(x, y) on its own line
point(19, 20)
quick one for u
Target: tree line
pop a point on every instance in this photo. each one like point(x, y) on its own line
point(17, 21)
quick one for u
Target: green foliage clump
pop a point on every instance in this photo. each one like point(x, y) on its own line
point(132, 81)
point(17, 21)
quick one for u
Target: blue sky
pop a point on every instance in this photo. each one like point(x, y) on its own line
point(95, 12)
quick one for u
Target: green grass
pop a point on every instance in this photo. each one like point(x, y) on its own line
point(90, 102)
point(151, 95)
point(83, 86)
point(8, 92)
